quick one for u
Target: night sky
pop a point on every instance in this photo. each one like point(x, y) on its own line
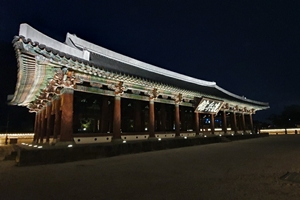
point(249, 48)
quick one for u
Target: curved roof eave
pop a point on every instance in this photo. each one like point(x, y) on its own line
point(242, 98)
point(75, 41)
point(36, 36)
point(83, 51)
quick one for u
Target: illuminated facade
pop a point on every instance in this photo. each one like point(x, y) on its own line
point(84, 93)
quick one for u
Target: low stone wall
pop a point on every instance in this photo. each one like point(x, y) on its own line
point(15, 138)
point(282, 131)
point(245, 136)
point(60, 154)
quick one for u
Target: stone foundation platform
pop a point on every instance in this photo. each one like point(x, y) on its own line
point(48, 154)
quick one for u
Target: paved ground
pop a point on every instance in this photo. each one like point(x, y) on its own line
point(248, 169)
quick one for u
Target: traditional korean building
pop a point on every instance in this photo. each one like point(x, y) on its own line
point(83, 93)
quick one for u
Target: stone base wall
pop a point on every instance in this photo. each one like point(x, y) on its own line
point(63, 153)
point(16, 138)
point(281, 131)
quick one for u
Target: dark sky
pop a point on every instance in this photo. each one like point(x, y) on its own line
point(250, 48)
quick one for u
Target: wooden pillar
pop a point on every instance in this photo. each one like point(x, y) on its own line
point(251, 122)
point(224, 124)
point(52, 118)
point(66, 129)
point(151, 118)
point(117, 118)
point(196, 123)
point(36, 126)
point(57, 119)
point(39, 127)
point(137, 116)
point(240, 123)
point(234, 127)
point(43, 125)
point(48, 116)
point(200, 122)
point(177, 120)
point(212, 123)
point(243, 122)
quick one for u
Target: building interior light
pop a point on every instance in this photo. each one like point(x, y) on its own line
point(39, 147)
point(205, 136)
point(185, 137)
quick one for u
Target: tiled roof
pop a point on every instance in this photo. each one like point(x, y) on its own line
point(97, 61)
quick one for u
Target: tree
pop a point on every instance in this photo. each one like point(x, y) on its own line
point(288, 118)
